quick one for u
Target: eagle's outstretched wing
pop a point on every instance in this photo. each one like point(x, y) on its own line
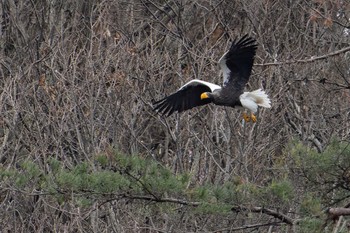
point(236, 64)
point(187, 97)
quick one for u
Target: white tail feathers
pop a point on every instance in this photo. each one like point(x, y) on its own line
point(261, 98)
point(251, 100)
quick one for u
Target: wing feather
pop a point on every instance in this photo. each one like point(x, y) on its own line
point(236, 64)
point(187, 97)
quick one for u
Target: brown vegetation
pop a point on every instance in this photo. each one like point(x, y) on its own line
point(78, 79)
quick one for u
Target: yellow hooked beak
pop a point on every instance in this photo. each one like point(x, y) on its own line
point(204, 96)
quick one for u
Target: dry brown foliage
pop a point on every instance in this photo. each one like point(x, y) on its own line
point(79, 77)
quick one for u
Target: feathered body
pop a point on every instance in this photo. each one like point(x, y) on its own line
point(236, 65)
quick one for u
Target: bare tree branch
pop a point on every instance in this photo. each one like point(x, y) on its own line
point(335, 213)
point(312, 59)
point(284, 218)
point(155, 199)
point(250, 226)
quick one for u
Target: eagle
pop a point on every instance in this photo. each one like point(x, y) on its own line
point(236, 65)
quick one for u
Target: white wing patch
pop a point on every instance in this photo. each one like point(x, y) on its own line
point(196, 82)
point(225, 70)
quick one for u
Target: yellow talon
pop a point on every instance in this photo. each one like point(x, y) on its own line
point(253, 117)
point(246, 117)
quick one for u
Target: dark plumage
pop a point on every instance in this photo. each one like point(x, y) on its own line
point(187, 97)
point(236, 65)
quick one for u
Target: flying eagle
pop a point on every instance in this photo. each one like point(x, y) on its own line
point(236, 65)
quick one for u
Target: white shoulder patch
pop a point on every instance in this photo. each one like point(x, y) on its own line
point(196, 82)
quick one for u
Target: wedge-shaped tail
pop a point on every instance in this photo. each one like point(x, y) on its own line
point(251, 100)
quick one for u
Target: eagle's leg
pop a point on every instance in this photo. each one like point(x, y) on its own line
point(253, 117)
point(246, 117)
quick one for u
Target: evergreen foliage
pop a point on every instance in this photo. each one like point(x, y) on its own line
point(135, 175)
point(327, 174)
point(323, 180)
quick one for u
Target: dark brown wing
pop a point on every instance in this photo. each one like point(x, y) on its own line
point(187, 97)
point(237, 63)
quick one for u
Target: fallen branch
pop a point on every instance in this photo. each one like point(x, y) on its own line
point(284, 218)
point(335, 213)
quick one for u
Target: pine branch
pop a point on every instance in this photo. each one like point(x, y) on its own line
point(312, 59)
point(244, 227)
point(152, 198)
point(284, 218)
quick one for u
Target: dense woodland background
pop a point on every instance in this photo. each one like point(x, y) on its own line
point(81, 149)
